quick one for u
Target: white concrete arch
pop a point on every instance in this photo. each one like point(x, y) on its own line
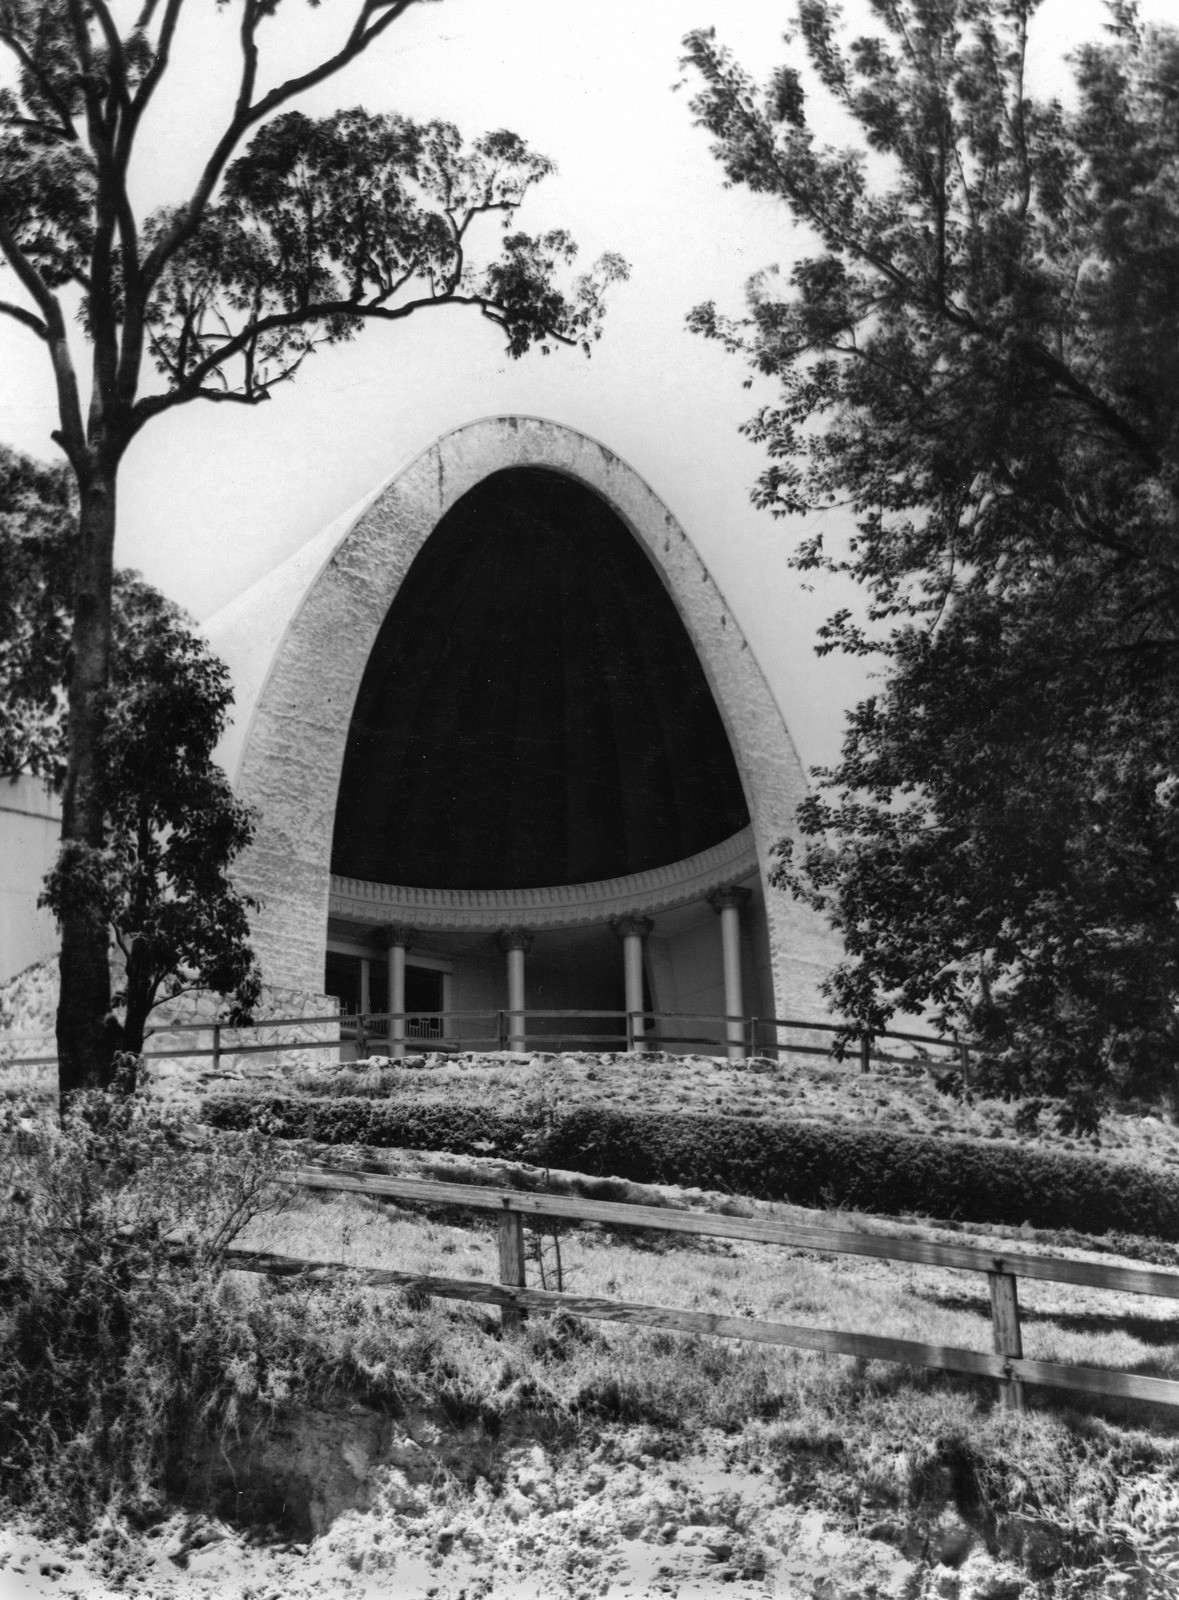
point(299, 643)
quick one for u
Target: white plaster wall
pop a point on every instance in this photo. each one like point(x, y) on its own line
point(30, 829)
point(554, 978)
point(685, 973)
point(757, 965)
point(293, 732)
point(478, 983)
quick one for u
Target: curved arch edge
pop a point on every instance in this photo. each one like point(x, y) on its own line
point(292, 736)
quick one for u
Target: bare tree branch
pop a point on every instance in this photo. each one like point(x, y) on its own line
point(67, 129)
point(191, 387)
point(27, 318)
point(151, 78)
point(246, 114)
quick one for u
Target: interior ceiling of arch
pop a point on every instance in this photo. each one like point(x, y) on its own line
point(533, 711)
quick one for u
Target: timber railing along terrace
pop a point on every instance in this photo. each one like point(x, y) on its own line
point(436, 1031)
point(1006, 1363)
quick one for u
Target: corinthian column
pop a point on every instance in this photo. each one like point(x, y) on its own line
point(632, 931)
point(396, 941)
point(727, 904)
point(516, 943)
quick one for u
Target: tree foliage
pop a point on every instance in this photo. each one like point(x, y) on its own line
point(296, 230)
point(173, 828)
point(37, 520)
point(319, 224)
point(980, 363)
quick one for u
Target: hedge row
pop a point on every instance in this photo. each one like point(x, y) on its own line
point(824, 1165)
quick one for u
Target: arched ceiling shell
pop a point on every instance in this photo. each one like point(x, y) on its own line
point(533, 711)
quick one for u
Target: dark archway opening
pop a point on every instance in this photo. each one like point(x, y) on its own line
point(533, 712)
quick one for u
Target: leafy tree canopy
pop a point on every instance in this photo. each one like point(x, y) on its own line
point(161, 883)
point(320, 223)
point(980, 363)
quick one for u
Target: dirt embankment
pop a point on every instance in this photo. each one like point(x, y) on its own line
point(406, 1509)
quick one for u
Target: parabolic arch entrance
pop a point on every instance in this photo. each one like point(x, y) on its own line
point(511, 731)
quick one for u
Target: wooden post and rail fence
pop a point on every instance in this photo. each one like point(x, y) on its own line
point(453, 1031)
point(1005, 1363)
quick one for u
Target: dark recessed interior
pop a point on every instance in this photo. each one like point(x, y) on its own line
point(533, 711)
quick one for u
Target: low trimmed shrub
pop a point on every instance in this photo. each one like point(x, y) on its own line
point(807, 1163)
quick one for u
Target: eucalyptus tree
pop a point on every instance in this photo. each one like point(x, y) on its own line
point(296, 231)
point(977, 363)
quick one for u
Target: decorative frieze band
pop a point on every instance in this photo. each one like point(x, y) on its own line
point(570, 905)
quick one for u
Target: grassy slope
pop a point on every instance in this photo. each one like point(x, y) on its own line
point(869, 1450)
point(898, 1099)
point(877, 1452)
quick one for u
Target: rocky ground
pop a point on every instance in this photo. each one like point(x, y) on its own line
point(620, 1522)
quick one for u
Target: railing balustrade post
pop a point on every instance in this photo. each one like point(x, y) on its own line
point(630, 1032)
point(503, 1032)
point(753, 1036)
point(216, 1047)
point(361, 1042)
point(511, 1263)
point(1007, 1335)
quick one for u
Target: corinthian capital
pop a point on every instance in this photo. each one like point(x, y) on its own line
point(721, 899)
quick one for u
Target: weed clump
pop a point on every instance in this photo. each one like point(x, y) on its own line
point(117, 1340)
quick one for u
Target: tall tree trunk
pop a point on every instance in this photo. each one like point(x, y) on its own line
point(141, 997)
point(87, 1034)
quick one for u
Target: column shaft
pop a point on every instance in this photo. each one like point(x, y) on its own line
point(396, 1000)
point(632, 966)
point(730, 921)
point(727, 904)
point(515, 943)
point(631, 932)
point(517, 1038)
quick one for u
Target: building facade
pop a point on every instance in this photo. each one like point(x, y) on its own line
point(511, 753)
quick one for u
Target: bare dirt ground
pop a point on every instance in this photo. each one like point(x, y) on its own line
point(620, 1525)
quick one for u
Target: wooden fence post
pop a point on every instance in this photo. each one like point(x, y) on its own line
point(865, 1052)
point(361, 1041)
point(1008, 1338)
point(753, 1036)
point(216, 1047)
point(630, 1032)
point(503, 1031)
point(511, 1263)
point(964, 1062)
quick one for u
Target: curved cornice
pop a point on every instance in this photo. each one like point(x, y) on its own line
point(568, 905)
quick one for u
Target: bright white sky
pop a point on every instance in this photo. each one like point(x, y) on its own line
point(213, 496)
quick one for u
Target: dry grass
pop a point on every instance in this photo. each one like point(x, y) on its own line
point(895, 1299)
point(854, 1439)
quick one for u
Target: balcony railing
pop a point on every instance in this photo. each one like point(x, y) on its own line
point(546, 1029)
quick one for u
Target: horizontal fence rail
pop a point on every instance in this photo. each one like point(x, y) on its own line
point(428, 1032)
point(1006, 1363)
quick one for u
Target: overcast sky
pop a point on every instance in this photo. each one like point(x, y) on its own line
point(213, 496)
